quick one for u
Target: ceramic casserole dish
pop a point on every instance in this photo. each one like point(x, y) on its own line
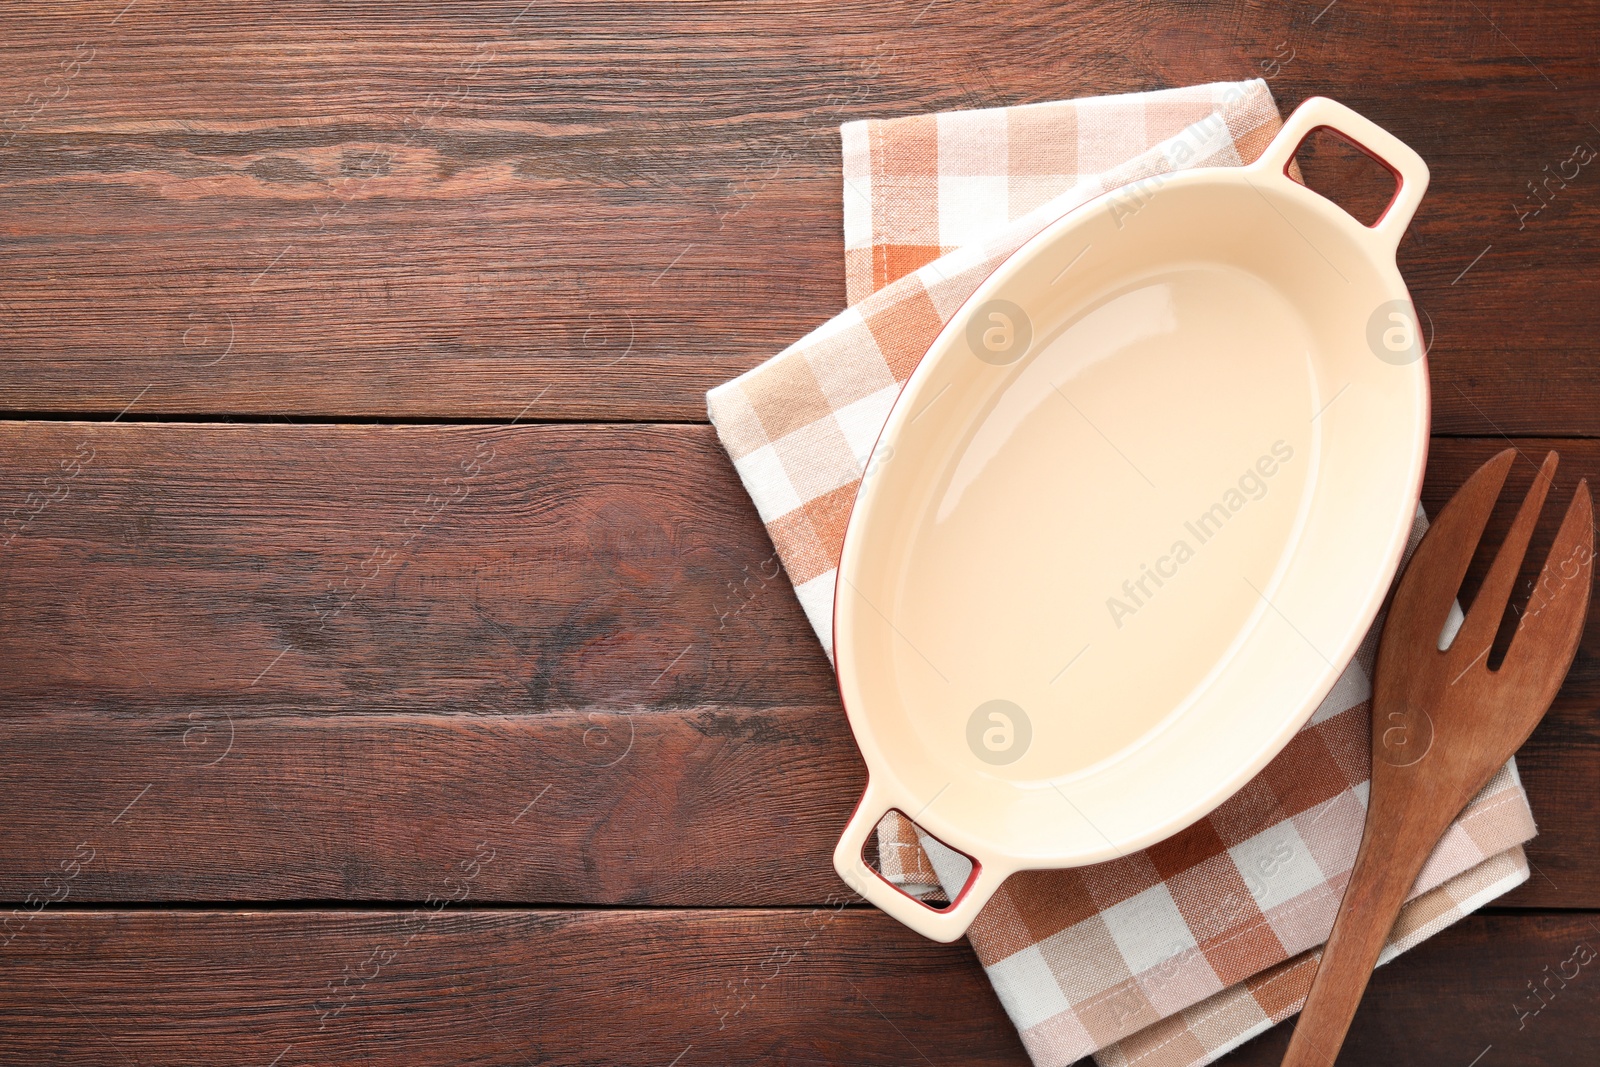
point(1135, 510)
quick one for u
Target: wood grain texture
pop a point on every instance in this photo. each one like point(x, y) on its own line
point(392, 568)
point(455, 209)
point(622, 987)
point(627, 987)
point(393, 697)
point(689, 808)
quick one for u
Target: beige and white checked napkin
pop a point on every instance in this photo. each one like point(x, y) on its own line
point(1172, 956)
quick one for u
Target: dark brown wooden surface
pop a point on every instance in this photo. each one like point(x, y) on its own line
point(699, 807)
point(821, 985)
point(364, 568)
point(450, 209)
point(258, 657)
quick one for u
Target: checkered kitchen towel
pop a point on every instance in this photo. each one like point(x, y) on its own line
point(1172, 956)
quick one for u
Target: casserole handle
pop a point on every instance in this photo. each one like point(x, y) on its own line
point(1410, 172)
point(939, 924)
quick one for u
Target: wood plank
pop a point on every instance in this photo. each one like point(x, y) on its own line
point(425, 568)
point(708, 807)
point(170, 596)
point(464, 208)
point(658, 987)
point(469, 569)
point(493, 987)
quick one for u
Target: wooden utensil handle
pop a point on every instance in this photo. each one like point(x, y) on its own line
point(1384, 872)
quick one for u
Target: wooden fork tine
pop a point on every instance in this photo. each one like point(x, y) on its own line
point(1483, 618)
point(1429, 585)
point(1548, 634)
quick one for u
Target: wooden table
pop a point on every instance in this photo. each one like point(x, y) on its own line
point(379, 677)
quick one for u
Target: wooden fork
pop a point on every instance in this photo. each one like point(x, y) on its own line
point(1442, 722)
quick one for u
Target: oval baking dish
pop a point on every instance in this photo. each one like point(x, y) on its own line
point(1139, 504)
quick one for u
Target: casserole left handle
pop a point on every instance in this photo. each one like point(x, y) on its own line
point(939, 924)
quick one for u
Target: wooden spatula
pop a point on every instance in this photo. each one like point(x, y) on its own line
point(1442, 721)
